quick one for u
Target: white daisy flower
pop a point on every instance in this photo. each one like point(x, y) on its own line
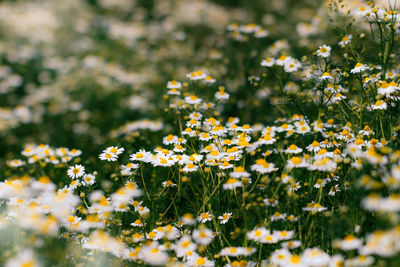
point(379, 105)
point(205, 217)
point(174, 84)
point(324, 51)
point(76, 171)
point(225, 217)
point(192, 99)
point(268, 62)
point(359, 67)
point(108, 156)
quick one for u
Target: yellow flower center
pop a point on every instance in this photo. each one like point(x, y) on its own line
point(200, 261)
point(205, 215)
point(257, 233)
point(295, 259)
point(296, 160)
point(185, 244)
point(292, 147)
point(28, 264)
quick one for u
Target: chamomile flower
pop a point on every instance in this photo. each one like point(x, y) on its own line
point(326, 76)
point(89, 179)
point(313, 147)
point(74, 152)
point(261, 33)
point(188, 219)
point(359, 261)
point(270, 202)
point(324, 51)
point(114, 150)
point(15, 163)
point(153, 255)
point(280, 256)
point(278, 216)
point(168, 183)
point(337, 97)
point(262, 166)
point(380, 105)
point(284, 234)
point(296, 162)
point(292, 244)
point(359, 67)
point(325, 164)
point(170, 139)
point(225, 217)
point(205, 217)
point(293, 187)
point(218, 130)
point(225, 165)
point(129, 166)
point(190, 168)
point(292, 65)
point(200, 261)
point(196, 75)
point(203, 236)
point(76, 171)
point(293, 149)
point(142, 210)
point(314, 207)
point(179, 148)
point(315, 257)
point(174, 84)
point(237, 251)
point(193, 123)
point(336, 260)
point(391, 75)
point(183, 245)
point(268, 62)
point(269, 239)
point(28, 151)
point(249, 28)
point(345, 40)
point(192, 99)
point(207, 105)
point(239, 172)
point(189, 131)
point(364, 11)
point(350, 242)
point(281, 61)
point(195, 115)
point(24, 258)
point(267, 139)
point(221, 94)
point(173, 91)
point(303, 129)
point(108, 156)
point(295, 261)
point(209, 80)
point(203, 136)
point(231, 184)
point(386, 89)
point(320, 183)
point(257, 234)
point(137, 222)
point(142, 155)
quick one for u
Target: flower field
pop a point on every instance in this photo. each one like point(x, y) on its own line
point(199, 133)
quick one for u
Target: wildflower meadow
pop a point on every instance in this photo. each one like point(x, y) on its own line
point(199, 133)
